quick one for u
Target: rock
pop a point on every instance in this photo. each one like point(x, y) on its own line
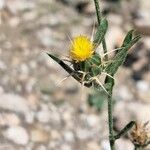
point(43, 116)
point(13, 22)
point(84, 134)
point(41, 147)
point(30, 16)
point(13, 102)
point(45, 37)
point(123, 144)
point(17, 134)
point(65, 147)
point(105, 145)
point(92, 120)
point(1, 90)
point(2, 4)
point(29, 117)
point(8, 119)
point(7, 146)
point(2, 65)
point(143, 86)
point(16, 6)
point(126, 110)
point(69, 136)
point(55, 135)
point(93, 146)
point(39, 135)
point(124, 93)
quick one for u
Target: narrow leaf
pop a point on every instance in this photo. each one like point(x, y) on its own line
point(125, 129)
point(101, 31)
point(120, 57)
point(128, 38)
point(66, 67)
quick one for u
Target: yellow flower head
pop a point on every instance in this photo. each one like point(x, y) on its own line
point(81, 48)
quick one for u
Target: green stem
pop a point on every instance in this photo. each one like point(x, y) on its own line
point(138, 148)
point(110, 116)
point(98, 13)
point(105, 49)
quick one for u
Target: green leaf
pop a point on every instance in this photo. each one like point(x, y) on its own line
point(101, 31)
point(97, 99)
point(95, 59)
point(66, 67)
point(128, 38)
point(125, 129)
point(117, 61)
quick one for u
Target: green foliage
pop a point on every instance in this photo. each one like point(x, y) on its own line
point(101, 31)
point(119, 58)
point(92, 67)
point(72, 72)
point(97, 99)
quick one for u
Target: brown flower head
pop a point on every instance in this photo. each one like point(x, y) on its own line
point(139, 135)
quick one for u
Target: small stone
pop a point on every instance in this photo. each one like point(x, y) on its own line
point(43, 116)
point(29, 16)
point(55, 135)
point(65, 147)
point(105, 145)
point(17, 134)
point(10, 101)
point(29, 117)
point(41, 147)
point(93, 146)
point(45, 37)
point(69, 136)
point(123, 144)
point(3, 65)
point(124, 93)
point(143, 86)
point(83, 134)
point(1, 90)
point(13, 22)
point(16, 6)
point(2, 4)
point(8, 119)
point(39, 135)
point(92, 120)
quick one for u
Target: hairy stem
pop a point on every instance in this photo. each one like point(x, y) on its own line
point(110, 80)
point(98, 13)
point(110, 116)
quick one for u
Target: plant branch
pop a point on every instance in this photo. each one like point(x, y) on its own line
point(125, 129)
point(110, 115)
point(98, 13)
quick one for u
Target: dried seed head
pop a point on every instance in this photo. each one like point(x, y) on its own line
point(139, 135)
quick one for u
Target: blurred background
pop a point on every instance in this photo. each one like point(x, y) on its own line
point(37, 113)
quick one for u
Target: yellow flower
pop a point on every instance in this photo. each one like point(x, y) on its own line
point(81, 48)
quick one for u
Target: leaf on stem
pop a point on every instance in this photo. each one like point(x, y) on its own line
point(117, 61)
point(125, 129)
point(66, 67)
point(101, 31)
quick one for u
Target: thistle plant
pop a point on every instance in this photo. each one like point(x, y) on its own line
point(87, 66)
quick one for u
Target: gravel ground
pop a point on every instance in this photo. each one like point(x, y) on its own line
point(38, 114)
